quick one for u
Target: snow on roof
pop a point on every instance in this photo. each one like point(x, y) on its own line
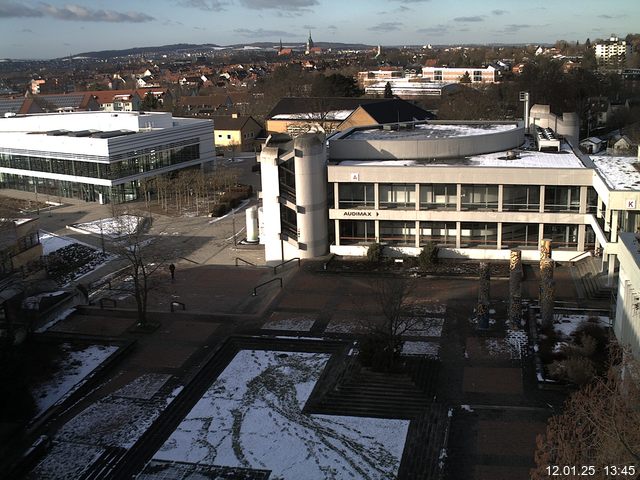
point(526, 158)
point(618, 172)
point(430, 131)
point(330, 115)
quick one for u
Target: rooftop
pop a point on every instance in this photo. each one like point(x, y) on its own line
point(620, 173)
point(428, 131)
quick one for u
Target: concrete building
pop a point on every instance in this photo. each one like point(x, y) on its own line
point(98, 156)
point(627, 321)
point(477, 189)
point(19, 244)
point(412, 87)
point(612, 53)
point(453, 75)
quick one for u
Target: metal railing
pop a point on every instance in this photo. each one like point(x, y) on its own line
point(244, 261)
point(285, 262)
point(255, 289)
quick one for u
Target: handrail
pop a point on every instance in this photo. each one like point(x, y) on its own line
point(245, 261)
point(285, 262)
point(255, 289)
point(582, 254)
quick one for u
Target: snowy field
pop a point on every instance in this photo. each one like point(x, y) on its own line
point(52, 242)
point(427, 349)
point(117, 420)
point(72, 370)
point(252, 417)
point(114, 227)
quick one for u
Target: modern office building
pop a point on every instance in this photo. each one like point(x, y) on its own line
point(477, 189)
point(98, 156)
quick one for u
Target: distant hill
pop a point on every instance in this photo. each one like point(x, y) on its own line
point(168, 49)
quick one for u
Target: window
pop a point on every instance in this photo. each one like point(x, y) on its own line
point(521, 198)
point(592, 200)
point(515, 235)
point(289, 222)
point(562, 236)
point(355, 195)
point(477, 75)
point(438, 196)
point(478, 235)
point(397, 196)
point(228, 137)
point(437, 75)
point(355, 232)
point(440, 233)
point(479, 197)
point(561, 199)
point(398, 233)
point(287, 177)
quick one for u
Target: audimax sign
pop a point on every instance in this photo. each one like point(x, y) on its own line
point(359, 213)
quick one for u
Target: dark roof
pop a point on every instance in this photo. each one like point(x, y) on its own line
point(318, 104)
point(396, 110)
point(227, 122)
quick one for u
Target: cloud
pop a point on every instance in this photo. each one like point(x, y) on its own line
point(435, 30)
point(499, 12)
point(26, 30)
point(332, 28)
point(477, 18)
point(610, 17)
point(516, 27)
point(71, 12)
point(206, 5)
point(386, 27)
point(282, 5)
point(259, 32)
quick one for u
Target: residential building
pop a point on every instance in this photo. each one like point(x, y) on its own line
point(453, 75)
point(612, 53)
point(296, 115)
point(98, 156)
point(236, 131)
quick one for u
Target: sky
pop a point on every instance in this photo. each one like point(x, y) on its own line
point(52, 28)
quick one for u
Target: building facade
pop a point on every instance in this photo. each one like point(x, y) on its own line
point(453, 75)
point(98, 156)
point(612, 53)
point(19, 244)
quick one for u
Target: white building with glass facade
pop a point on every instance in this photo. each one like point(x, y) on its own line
point(98, 156)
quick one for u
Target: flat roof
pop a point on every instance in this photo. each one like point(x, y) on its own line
point(527, 156)
point(620, 173)
point(426, 131)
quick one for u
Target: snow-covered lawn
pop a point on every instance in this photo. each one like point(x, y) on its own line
point(513, 346)
point(72, 370)
point(114, 227)
point(252, 417)
point(52, 242)
point(293, 322)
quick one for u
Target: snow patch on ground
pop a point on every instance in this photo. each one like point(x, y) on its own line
point(567, 325)
point(422, 327)
point(428, 349)
point(72, 370)
point(114, 227)
point(66, 461)
point(299, 322)
point(251, 417)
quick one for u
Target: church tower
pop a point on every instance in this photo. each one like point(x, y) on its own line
point(309, 44)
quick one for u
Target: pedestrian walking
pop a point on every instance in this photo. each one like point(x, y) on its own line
point(172, 269)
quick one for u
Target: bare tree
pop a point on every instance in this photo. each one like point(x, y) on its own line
point(383, 340)
point(144, 257)
point(600, 424)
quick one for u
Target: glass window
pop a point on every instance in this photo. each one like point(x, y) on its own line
point(521, 198)
point(397, 195)
point(592, 200)
point(398, 233)
point(289, 222)
point(562, 236)
point(561, 199)
point(479, 197)
point(355, 195)
point(357, 232)
point(478, 235)
point(437, 75)
point(440, 233)
point(438, 196)
point(516, 235)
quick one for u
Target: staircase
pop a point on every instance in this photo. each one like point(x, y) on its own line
point(590, 282)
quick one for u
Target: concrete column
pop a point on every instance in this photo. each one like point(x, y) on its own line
point(547, 291)
point(417, 242)
point(545, 249)
point(484, 294)
point(336, 226)
point(499, 235)
point(500, 198)
point(583, 200)
point(377, 230)
point(599, 208)
point(615, 215)
point(336, 195)
point(541, 199)
point(612, 270)
point(458, 197)
point(582, 235)
point(458, 235)
point(376, 196)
